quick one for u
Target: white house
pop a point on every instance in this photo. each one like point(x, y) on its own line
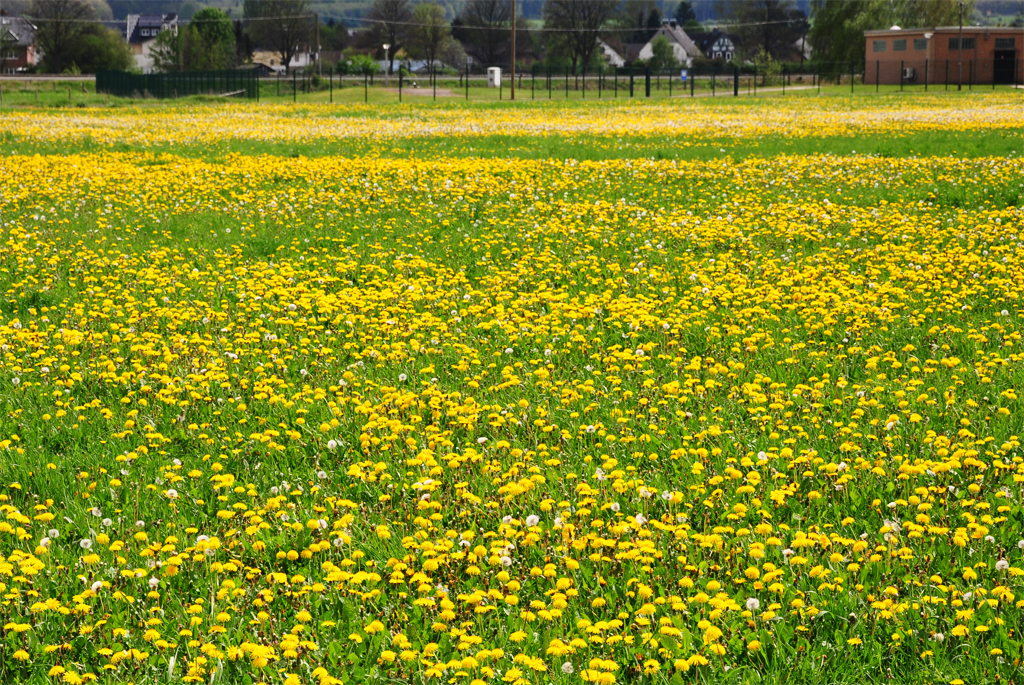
point(613, 58)
point(141, 31)
point(716, 44)
point(684, 49)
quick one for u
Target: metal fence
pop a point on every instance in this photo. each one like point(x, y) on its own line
point(965, 74)
point(242, 83)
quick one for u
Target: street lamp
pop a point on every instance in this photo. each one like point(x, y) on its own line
point(387, 63)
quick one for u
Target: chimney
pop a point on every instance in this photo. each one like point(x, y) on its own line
point(673, 23)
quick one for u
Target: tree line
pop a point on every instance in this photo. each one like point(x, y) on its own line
point(569, 32)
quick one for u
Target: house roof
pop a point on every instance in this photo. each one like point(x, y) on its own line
point(17, 31)
point(631, 51)
point(137, 22)
point(705, 39)
point(677, 35)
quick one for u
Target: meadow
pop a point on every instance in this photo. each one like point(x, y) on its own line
point(675, 392)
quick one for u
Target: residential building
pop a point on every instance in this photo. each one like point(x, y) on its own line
point(715, 44)
point(684, 49)
point(17, 45)
point(141, 31)
point(989, 55)
point(272, 60)
point(611, 56)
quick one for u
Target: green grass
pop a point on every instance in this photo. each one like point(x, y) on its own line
point(431, 339)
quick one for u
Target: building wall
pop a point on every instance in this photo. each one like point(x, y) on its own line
point(24, 56)
point(936, 58)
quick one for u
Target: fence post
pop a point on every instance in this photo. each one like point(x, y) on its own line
point(600, 82)
point(549, 82)
point(584, 81)
point(533, 81)
point(631, 73)
point(783, 79)
point(735, 81)
point(567, 83)
point(366, 87)
point(901, 76)
point(926, 76)
point(693, 78)
point(647, 82)
point(433, 77)
point(947, 74)
point(467, 82)
point(615, 73)
point(400, 79)
point(878, 71)
point(671, 78)
point(851, 78)
point(714, 73)
point(970, 75)
point(295, 88)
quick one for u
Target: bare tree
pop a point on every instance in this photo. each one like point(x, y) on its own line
point(391, 20)
point(483, 30)
point(578, 24)
point(60, 23)
point(430, 31)
point(771, 25)
point(281, 25)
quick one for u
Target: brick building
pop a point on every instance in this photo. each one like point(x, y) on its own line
point(17, 44)
point(990, 55)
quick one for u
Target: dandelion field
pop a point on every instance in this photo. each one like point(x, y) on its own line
point(383, 416)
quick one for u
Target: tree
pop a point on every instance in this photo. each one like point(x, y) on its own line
point(99, 47)
point(391, 20)
point(430, 31)
point(189, 49)
point(60, 25)
point(243, 43)
point(452, 55)
point(663, 57)
point(634, 19)
point(281, 25)
point(216, 39)
point(333, 35)
point(578, 24)
point(685, 13)
point(771, 25)
point(483, 29)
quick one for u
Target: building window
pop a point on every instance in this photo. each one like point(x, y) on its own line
point(920, 43)
point(878, 46)
point(899, 45)
point(954, 43)
point(1004, 44)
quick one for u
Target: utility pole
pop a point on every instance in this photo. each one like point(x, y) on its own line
point(960, 45)
point(513, 86)
point(316, 39)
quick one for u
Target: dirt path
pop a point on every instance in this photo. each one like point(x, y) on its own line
point(424, 90)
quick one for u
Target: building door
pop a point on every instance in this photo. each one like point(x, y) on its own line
point(1004, 68)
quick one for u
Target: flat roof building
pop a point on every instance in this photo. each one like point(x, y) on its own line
point(916, 56)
